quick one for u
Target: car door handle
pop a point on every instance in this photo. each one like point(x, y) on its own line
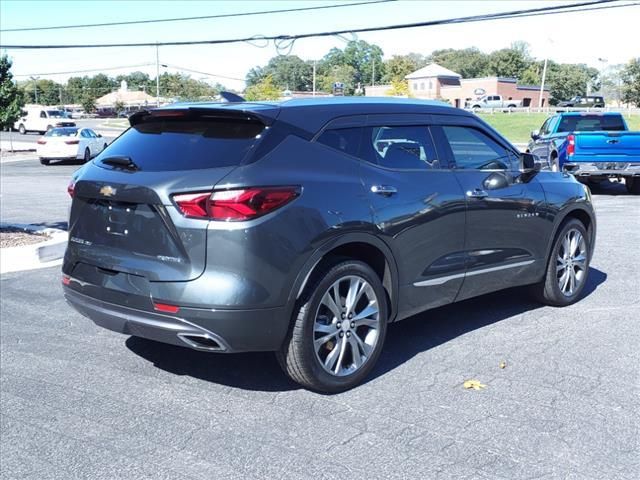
point(385, 190)
point(477, 193)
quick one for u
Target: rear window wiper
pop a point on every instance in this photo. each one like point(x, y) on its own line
point(120, 161)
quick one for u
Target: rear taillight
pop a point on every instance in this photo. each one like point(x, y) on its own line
point(71, 188)
point(42, 141)
point(235, 205)
point(571, 144)
point(165, 307)
point(72, 142)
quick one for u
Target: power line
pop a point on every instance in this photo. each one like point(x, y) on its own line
point(205, 73)
point(85, 71)
point(568, 8)
point(208, 17)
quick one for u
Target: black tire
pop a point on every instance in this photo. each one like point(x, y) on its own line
point(633, 185)
point(299, 358)
point(87, 155)
point(44, 161)
point(22, 130)
point(548, 291)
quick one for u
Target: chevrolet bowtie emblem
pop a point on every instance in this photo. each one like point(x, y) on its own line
point(108, 191)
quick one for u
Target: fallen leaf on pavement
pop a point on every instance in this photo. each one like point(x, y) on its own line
point(473, 384)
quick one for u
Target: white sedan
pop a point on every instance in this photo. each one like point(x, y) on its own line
point(69, 143)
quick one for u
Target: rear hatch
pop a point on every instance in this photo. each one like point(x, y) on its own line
point(123, 219)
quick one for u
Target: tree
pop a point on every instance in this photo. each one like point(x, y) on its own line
point(264, 90)
point(366, 60)
point(88, 104)
point(468, 62)
point(631, 82)
point(568, 80)
point(10, 98)
point(399, 66)
point(119, 106)
point(508, 62)
point(288, 72)
point(338, 74)
point(399, 88)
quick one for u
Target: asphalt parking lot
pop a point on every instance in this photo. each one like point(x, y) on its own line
point(77, 401)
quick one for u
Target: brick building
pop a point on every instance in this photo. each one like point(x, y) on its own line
point(438, 83)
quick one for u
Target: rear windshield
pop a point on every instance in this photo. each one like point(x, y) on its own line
point(165, 144)
point(61, 132)
point(55, 113)
point(591, 123)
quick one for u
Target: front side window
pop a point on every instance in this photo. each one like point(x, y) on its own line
point(400, 147)
point(473, 149)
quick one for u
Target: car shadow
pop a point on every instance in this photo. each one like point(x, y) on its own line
point(405, 339)
point(609, 188)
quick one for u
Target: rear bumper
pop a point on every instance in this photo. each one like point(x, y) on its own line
point(603, 169)
point(199, 329)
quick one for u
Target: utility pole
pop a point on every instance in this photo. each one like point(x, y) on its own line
point(157, 75)
point(60, 93)
point(544, 75)
point(373, 72)
point(314, 78)
point(35, 87)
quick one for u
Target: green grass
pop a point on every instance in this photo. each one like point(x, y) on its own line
point(517, 126)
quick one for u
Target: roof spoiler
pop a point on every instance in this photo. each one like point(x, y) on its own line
point(231, 97)
point(198, 112)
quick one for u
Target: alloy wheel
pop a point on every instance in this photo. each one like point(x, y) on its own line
point(347, 326)
point(571, 262)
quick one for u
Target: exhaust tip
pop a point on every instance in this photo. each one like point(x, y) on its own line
point(201, 342)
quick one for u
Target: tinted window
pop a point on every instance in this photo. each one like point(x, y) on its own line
point(544, 129)
point(166, 144)
point(62, 132)
point(400, 147)
point(85, 134)
point(346, 140)
point(472, 149)
point(591, 123)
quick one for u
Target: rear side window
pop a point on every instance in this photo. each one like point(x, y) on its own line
point(591, 123)
point(166, 144)
point(473, 149)
point(400, 147)
point(347, 140)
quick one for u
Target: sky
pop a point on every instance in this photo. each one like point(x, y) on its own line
point(582, 37)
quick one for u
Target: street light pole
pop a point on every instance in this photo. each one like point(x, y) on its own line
point(544, 76)
point(314, 78)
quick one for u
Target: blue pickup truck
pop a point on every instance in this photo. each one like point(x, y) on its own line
point(591, 146)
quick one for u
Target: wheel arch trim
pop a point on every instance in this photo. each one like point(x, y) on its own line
point(338, 241)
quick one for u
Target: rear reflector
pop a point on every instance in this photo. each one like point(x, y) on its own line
point(71, 188)
point(66, 279)
point(164, 307)
point(235, 205)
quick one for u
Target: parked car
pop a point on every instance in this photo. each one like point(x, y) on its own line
point(68, 143)
point(591, 146)
point(305, 227)
point(41, 119)
point(583, 102)
point(494, 101)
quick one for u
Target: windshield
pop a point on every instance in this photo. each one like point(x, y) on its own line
point(61, 132)
point(55, 114)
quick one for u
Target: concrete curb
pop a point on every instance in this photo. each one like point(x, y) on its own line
point(39, 255)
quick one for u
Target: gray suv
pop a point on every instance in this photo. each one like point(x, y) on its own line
point(306, 227)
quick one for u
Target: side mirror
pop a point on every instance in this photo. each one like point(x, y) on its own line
point(496, 181)
point(529, 163)
point(535, 134)
point(99, 135)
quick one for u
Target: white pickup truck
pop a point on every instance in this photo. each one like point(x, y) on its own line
point(493, 101)
point(41, 119)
